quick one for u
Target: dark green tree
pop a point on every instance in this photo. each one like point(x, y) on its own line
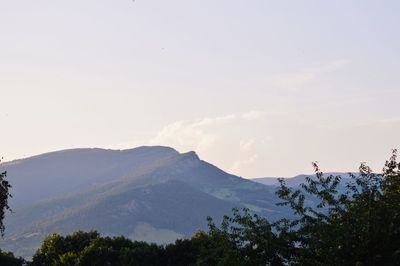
point(6, 258)
point(4, 196)
point(250, 240)
point(55, 247)
point(142, 254)
point(183, 251)
point(358, 227)
point(89, 248)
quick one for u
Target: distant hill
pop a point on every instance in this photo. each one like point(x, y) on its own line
point(149, 193)
point(294, 181)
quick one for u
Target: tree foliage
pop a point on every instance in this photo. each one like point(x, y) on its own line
point(250, 239)
point(89, 248)
point(360, 226)
point(4, 196)
point(6, 258)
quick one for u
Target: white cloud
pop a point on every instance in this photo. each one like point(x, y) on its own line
point(238, 165)
point(185, 135)
point(232, 142)
point(201, 134)
point(210, 121)
point(209, 136)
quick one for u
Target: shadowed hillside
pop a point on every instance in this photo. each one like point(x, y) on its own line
point(148, 193)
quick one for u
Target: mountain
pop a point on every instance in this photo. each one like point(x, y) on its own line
point(57, 173)
point(154, 194)
point(296, 180)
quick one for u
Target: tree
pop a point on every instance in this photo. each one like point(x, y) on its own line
point(57, 249)
point(89, 248)
point(358, 227)
point(249, 239)
point(6, 258)
point(4, 196)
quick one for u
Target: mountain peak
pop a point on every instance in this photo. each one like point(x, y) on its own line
point(191, 155)
point(163, 149)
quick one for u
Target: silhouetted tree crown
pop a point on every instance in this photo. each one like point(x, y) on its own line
point(4, 195)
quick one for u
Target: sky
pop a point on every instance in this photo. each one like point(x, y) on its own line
point(258, 88)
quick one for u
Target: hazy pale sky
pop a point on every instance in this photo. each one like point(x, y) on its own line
point(258, 87)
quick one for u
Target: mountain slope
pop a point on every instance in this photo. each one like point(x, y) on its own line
point(150, 193)
point(158, 207)
point(57, 173)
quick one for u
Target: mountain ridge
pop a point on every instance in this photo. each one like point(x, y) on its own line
point(138, 193)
